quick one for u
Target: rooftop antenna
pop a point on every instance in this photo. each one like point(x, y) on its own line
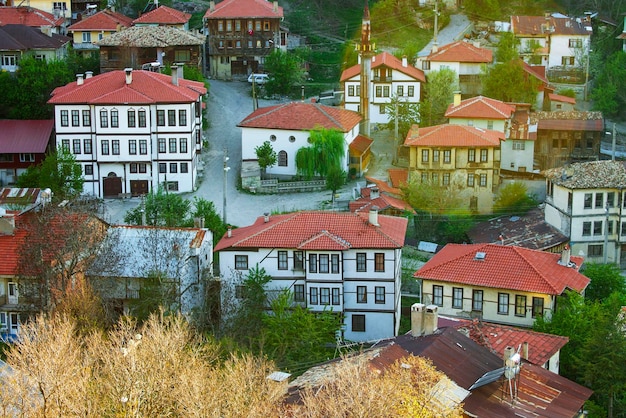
point(512, 367)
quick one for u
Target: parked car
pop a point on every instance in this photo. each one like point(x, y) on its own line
point(258, 78)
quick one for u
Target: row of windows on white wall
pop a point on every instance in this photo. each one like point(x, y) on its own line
point(317, 263)
point(107, 147)
point(135, 118)
point(142, 168)
point(251, 25)
point(520, 306)
point(384, 91)
point(291, 138)
point(332, 295)
point(445, 177)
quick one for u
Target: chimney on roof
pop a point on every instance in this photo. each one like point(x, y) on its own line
point(525, 350)
point(405, 61)
point(417, 319)
point(457, 98)
point(275, 8)
point(430, 319)
point(175, 75)
point(373, 218)
point(211, 5)
point(7, 223)
point(508, 353)
point(129, 75)
point(181, 75)
point(79, 79)
point(229, 231)
point(565, 256)
point(374, 193)
point(266, 217)
point(435, 49)
point(88, 74)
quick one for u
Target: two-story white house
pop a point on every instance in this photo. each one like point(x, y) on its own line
point(464, 58)
point(132, 130)
point(512, 119)
point(586, 202)
point(552, 40)
point(87, 31)
point(288, 127)
point(498, 283)
point(349, 263)
point(390, 77)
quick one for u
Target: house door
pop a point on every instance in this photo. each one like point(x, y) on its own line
point(12, 299)
point(138, 187)
point(112, 185)
point(14, 323)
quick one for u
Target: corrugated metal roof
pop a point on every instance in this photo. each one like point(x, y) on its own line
point(25, 136)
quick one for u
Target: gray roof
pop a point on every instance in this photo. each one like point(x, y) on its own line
point(589, 175)
point(24, 38)
point(151, 37)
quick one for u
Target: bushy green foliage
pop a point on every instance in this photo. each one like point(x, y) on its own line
point(513, 198)
point(285, 70)
point(606, 279)
point(326, 151)
point(509, 82)
point(407, 115)
point(59, 171)
point(608, 94)
point(265, 155)
point(439, 93)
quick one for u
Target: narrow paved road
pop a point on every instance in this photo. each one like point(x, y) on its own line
point(450, 33)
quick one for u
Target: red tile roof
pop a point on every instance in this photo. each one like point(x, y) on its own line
point(461, 51)
point(318, 231)
point(495, 337)
point(398, 176)
point(540, 25)
point(28, 16)
point(382, 202)
point(107, 20)
point(10, 248)
point(452, 136)
point(385, 59)
point(361, 144)
point(238, 9)
point(537, 71)
point(383, 186)
point(163, 15)
point(298, 116)
point(561, 98)
point(146, 88)
point(25, 136)
point(480, 107)
point(504, 267)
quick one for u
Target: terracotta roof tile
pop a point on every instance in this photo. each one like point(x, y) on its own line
point(10, 248)
point(244, 9)
point(111, 88)
point(497, 337)
point(537, 71)
point(568, 120)
point(385, 59)
point(382, 202)
point(163, 15)
point(28, 16)
point(318, 231)
point(504, 267)
point(151, 37)
point(398, 176)
point(561, 98)
point(107, 20)
point(540, 25)
point(461, 51)
point(301, 117)
point(382, 186)
point(25, 136)
point(361, 144)
point(480, 107)
point(452, 136)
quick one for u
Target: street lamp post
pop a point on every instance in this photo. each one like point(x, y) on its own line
point(226, 168)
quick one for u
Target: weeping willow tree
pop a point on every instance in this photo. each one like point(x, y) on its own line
point(324, 153)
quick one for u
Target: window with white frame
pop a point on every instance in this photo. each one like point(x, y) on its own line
point(86, 37)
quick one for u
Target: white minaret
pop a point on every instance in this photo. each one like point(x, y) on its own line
point(366, 52)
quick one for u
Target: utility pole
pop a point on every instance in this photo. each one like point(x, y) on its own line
point(255, 104)
point(436, 22)
point(226, 168)
point(395, 134)
point(606, 232)
point(613, 143)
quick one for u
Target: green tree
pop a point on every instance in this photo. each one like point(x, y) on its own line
point(406, 114)
point(508, 48)
point(509, 82)
point(293, 334)
point(205, 209)
point(608, 93)
point(161, 209)
point(335, 178)
point(438, 93)
point(266, 156)
point(513, 198)
point(326, 151)
point(285, 71)
point(59, 171)
point(606, 279)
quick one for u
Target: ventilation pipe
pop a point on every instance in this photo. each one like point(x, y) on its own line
point(373, 218)
point(79, 79)
point(88, 74)
point(129, 75)
point(266, 217)
point(374, 193)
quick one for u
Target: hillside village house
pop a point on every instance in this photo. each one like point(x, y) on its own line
point(30, 16)
point(586, 201)
point(240, 34)
point(90, 29)
point(59, 9)
point(181, 257)
point(499, 283)
point(557, 42)
point(20, 41)
point(567, 137)
point(132, 131)
point(347, 262)
point(23, 143)
point(464, 157)
point(287, 127)
point(389, 77)
point(164, 16)
point(512, 119)
point(464, 58)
